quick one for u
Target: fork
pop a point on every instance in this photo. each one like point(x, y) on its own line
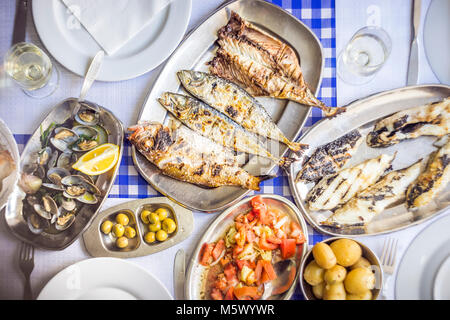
point(388, 260)
point(26, 264)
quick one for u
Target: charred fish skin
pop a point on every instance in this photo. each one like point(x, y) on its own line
point(329, 158)
point(262, 64)
point(337, 189)
point(364, 207)
point(187, 156)
point(435, 178)
point(432, 119)
point(234, 102)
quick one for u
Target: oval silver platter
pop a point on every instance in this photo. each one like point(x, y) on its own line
point(99, 244)
point(195, 275)
point(13, 213)
point(193, 53)
point(362, 114)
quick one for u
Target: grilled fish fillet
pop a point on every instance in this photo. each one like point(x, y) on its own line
point(329, 158)
point(435, 178)
point(362, 208)
point(432, 119)
point(187, 156)
point(339, 188)
point(233, 101)
point(262, 64)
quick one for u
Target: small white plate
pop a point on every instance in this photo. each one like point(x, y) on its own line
point(417, 271)
point(7, 142)
point(442, 281)
point(104, 279)
point(73, 47)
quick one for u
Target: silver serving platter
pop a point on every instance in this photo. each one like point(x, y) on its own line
point(362, 114)
point(99, 244)
point(196, 273)
point(13, 213)
point(197, 49)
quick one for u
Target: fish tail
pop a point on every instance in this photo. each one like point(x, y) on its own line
point(253, 182)
point(297, 147)
point(285, 162)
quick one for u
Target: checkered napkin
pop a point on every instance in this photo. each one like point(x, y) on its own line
point(319, 15)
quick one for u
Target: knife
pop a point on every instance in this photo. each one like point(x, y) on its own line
point(179, 271)
point(20, 21)
point(413, 68)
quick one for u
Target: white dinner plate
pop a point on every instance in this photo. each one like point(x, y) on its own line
point(442, 281)
point(436, 35)
point(7, 142)
point(422, 260)
point(72, 46)
point(104, 279)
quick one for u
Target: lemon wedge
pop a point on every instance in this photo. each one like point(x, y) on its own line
point(98, 160)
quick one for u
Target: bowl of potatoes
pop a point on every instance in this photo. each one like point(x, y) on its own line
point(341, 269)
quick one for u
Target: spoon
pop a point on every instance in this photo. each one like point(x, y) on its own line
point(285, 270)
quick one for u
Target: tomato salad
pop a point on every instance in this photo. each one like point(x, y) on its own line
point(243, 259)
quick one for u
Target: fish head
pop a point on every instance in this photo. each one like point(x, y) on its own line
point(151, 135)
point(192, 79)
point(177, 104)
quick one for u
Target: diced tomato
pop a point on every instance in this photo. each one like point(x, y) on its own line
point(224, 261)
point(250, 236)
point(237, 250)
point(218, 249)
point(240, 237)
point(260, 209)
point(250, 216)
point(251, 264)
point(246, 292)
point(258, 270)
point(273, 239)
point(230, 294)
point(256, 200)
point(288, 248)
point(216, 294)
point(263, 244)
point(269, 270)
point(230, 272)
point(264, 277)
point(240, 218)
point(240, 263)
point(205, 254)
point(297, 233)
point(221, 282)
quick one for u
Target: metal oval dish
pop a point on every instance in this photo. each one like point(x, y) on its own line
point(7, 142)
point(13, 214)
point(366, 253)
point(99, 244)
point(193, 53)
point(362, 114)
point(195, 275)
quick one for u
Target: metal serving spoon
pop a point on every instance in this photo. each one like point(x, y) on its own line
point(285, 270)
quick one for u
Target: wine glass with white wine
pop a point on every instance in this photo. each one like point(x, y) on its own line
point(31, 69)
point(364, 55)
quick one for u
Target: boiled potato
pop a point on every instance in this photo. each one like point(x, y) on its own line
point(335, 274)
point(334, 292)
point(162, 213)
point(323, 255)
point(318, 290)
point(363, 296)
point(359, 280)
point(361, 263)
point(122, 242)
point(347, 251)
point(150, 237)
point(144, 216)
point(130, 232)
point(313, 274)
point(118, 230)
point(122, 219)
point(161, 235)
point(106, 227)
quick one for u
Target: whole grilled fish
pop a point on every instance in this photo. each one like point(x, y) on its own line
point(214, 125)
point(363, 207)
point(187, 156)
point(339, 188)
point(233, 101)
point(262, 64)
point(435, 178)
point(432, 119)
point(329, 158)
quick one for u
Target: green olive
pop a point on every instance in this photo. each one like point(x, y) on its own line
point(161, 235)
point(122, 219)
point(130, 233)
point(153, 218)
point(122, 242)
point(162, 213)
point(169, 226)
point(106, 227)
point(144, 216)
point(150, 237)
point(118, 230)
point(154, 227)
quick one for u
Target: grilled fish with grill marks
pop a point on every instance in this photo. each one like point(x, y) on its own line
point(435, 178)
point(432, 119)
point(233, 101)
point(329, 158)
point(262, 64)
point(187, 156)
point(339, 188)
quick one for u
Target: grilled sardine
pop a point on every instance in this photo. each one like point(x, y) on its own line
point(329, 158)
point(187, 156)
point(337, 189)
point(233, 101)
point(435, 178)
point(363, 207)
point(432, 119)
point(262, 64)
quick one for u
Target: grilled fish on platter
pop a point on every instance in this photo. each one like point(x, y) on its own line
point(233, 101)
point(187, 156)
point(363, 207)
point(214, 125)
point(262, 64)
point(337, 189)
point(330, 157)
point(432, 119)
point(435, 178)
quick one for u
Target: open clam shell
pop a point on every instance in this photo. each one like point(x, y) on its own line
point(87, 138)
point(64, 221)
point(87, 117)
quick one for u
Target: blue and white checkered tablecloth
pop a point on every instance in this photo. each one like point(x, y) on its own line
point(320, 17)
